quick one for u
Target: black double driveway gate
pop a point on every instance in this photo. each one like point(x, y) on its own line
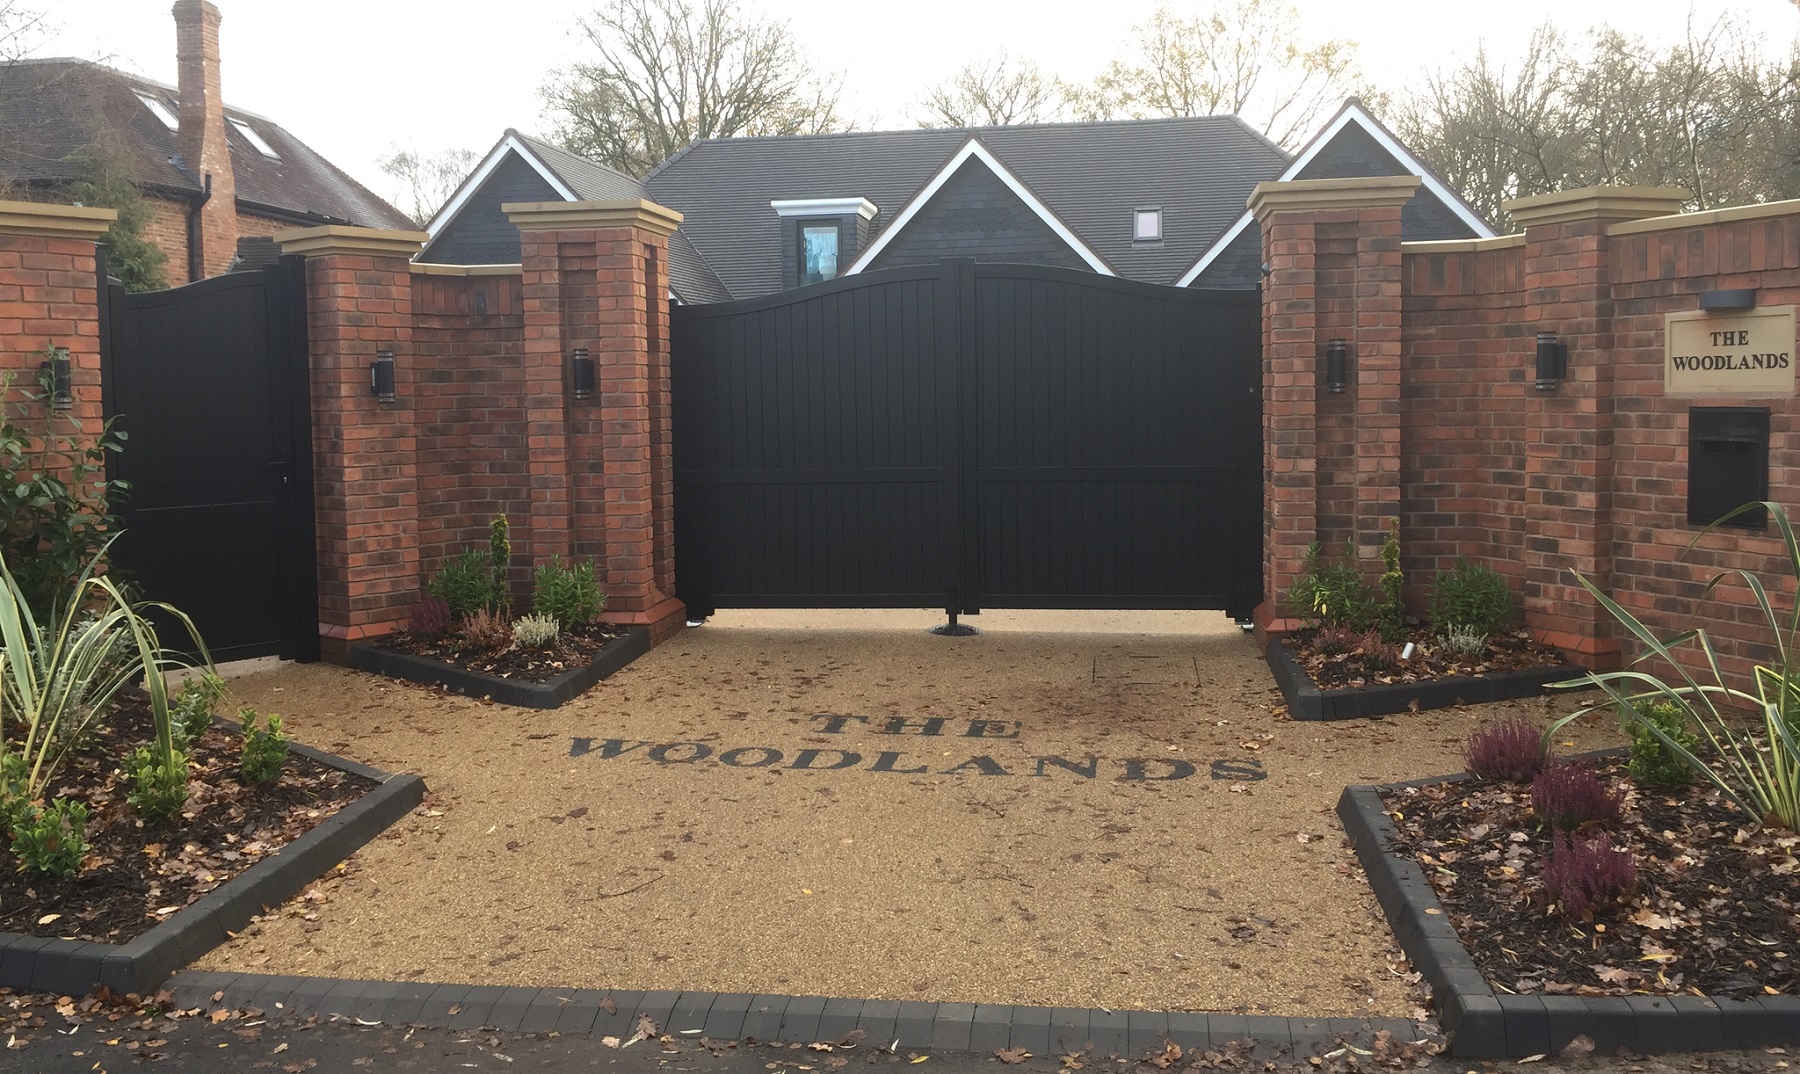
point(968, 435)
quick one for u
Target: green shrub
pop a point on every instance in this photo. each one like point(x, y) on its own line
point(570, 595)
point(1393, 584)
point(1469, 598)
point(53, 839)
point(1653, 764)
point(158, 787)
point(191, 709)
point(1332, 594)
point(265, 748)
point(466, 583)
point(500, 562)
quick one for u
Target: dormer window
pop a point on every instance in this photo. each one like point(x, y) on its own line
point(818, 253)
point(1146, 225)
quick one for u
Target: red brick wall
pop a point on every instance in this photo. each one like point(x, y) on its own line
point(167, 231)
point(48, 298)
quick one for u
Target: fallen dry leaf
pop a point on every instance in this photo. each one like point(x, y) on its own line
point(1010, 1056)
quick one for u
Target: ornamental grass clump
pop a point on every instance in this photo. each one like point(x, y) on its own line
point(1755, 763)
point(1511, 751)
point(1585, 875)
point(1568, 795)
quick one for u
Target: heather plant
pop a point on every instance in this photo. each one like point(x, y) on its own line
point(1568, 795)
point(486, 631)
point(1393, 583)
point(534, 632)
point(466, 583)
point(264, 748)
point(570, 595)
point(1756, 766)
point(431, 618)
point(52, 839)
point(1469, 598)
point(1332, 594)
point(1653, 764)
point(1582, 876)
point(1376, 654)
point(1512, 751)
point(1336, 641)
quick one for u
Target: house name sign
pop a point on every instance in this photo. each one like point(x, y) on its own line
point(1744, 354)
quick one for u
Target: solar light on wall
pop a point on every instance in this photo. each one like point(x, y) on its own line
point(581, 373)
point(1552, 361)
point(62, 381)
point(1337, 365)
point(381, 376)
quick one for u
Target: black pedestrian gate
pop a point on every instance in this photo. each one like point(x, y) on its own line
point(967, 435)
point(209, 381)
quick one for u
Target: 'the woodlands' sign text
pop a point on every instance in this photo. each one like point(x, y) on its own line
point(1748, 354)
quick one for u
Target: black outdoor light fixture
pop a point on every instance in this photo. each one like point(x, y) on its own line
point(381, 376)
point(1337, 365)
point(581, 373)
point(1552, 361)
point(62, 382)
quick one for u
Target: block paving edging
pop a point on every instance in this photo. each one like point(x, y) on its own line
point(74, 967)
point(1484, 1024)
point(1305, 701)
point(976, 1027)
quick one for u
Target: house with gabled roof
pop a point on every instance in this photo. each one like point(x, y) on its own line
point(1159, 200)
point(219, 180)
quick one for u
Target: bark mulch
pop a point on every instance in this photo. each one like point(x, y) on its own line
point(1716, 911)
point(575, 647)
point(1372, 663)
point(139, 872)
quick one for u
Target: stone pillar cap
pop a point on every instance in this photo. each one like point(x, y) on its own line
point(54, 221)
point(585, 215)
point(1318, 195)
point(330, 239)
point(1606, 203)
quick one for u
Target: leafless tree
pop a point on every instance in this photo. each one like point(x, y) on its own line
point(994, 92)
point(427, 180)
point(1238, 57)
point(663, 73)
point(1708, 115)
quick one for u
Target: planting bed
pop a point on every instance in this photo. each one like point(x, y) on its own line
point(582, 657)
point(152, 896)
point(1703, 956)
point(1318, 686)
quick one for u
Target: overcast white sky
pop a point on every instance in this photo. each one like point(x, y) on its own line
point(354, 77)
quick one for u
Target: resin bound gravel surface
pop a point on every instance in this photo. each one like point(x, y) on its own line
point(1071, 809)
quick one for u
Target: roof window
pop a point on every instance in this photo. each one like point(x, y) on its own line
point(254, 138)
point(160, 109)
point(1146, 225)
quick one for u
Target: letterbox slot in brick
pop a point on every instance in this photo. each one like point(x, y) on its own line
point(1728, 464)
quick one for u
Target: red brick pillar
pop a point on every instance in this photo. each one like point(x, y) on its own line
point(596, 277)
point(49, 298)
point(1331, 460)
point(365, 481)
point(1569, 430)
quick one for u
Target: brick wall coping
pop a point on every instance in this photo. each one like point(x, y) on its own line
point(55, 221)
point(1766, 210)
point(1596, 203)
point(421, 269)
point(582, 215)
point(331, 239)
point(1463, 246)
point(1314, 195)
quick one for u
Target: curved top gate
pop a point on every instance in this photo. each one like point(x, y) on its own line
point(970, 434)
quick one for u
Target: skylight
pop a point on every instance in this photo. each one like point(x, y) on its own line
point(160, 110)
point(255, 139)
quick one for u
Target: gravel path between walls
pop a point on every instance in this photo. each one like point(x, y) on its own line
point(698, 822)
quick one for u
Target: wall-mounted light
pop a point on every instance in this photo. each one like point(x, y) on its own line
point(381, 376)
point(1337, 365)
point(62, 381)
point(581, 373)
point(1741, 298)
point(1552, 361)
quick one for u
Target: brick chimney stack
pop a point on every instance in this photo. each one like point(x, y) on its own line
point(201, 137)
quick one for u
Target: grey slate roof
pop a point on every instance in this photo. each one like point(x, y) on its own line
point(589, 179)
point(1199, 171)
point(52, 108)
